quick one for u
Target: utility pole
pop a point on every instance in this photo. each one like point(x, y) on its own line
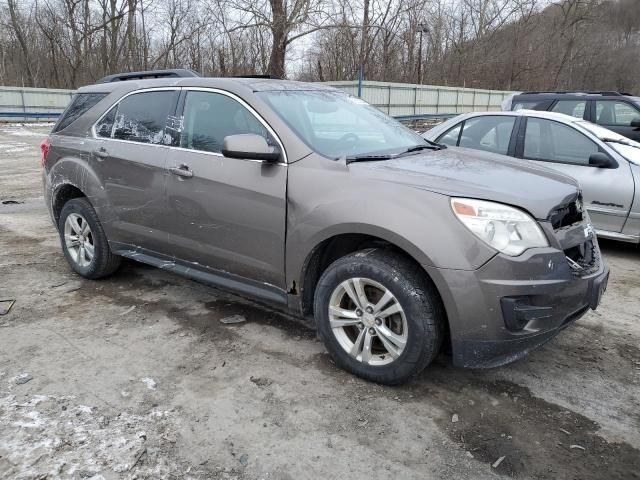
point(422, 28)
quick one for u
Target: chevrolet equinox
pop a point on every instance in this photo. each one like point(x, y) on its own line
point(301, 196)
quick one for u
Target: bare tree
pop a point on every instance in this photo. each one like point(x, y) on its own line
point(504, 44)
point(16, 23)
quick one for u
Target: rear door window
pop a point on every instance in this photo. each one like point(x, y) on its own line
point(574, 108)
point(209, 117)
point(524, 105)
point(489, 133)
point(616, 113)
point(80, 104)
point(142, 117)
point(555, 142)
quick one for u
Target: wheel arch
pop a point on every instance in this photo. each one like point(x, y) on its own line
point(61, 195)
point(337, 245)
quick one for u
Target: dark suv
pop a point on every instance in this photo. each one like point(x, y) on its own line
point(616, 111)
point(306, 198)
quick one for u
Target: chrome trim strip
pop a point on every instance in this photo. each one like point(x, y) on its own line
point(217, 154)
point(196, 89)
point(618, 236)
point(607, 211)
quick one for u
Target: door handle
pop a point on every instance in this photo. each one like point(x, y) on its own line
point(182, 171)
point(101, 152)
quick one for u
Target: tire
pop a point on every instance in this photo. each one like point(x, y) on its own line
point(78, 220)
point(419, 323)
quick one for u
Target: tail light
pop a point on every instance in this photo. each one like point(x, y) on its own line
point(45, 146)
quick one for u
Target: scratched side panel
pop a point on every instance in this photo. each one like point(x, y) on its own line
point(133, 177)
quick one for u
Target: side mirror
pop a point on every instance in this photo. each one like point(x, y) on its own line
point(600, 160)
point(635, 123)
point(249, 146)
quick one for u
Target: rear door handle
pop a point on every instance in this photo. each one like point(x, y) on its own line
point(101, 152)
point(182, 171)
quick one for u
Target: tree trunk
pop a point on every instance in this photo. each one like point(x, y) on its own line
point(131, 34)
point(279, 33)
point(15, 22)
point(364, 41)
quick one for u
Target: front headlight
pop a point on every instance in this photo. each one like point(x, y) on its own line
point(507, 229)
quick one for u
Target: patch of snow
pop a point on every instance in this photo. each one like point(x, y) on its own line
point(149, 382)
point(45, 436)
point(21, 132)
point(7, 145)
point(17, 150)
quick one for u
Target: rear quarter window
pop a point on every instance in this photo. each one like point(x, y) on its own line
point(80, 104)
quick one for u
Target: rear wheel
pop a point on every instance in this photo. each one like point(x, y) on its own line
point(84, 243)
point(379, 315)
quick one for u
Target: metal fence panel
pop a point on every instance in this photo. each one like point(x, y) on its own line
point(406, 99)
point(34, 104)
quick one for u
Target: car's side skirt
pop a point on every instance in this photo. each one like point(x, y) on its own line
point(621, 237)
point(200, 273)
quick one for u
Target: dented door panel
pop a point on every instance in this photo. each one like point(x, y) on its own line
point(229, 216)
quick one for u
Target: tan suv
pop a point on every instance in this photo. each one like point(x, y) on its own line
point(309, 199)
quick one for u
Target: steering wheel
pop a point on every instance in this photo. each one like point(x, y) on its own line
point(349, 140)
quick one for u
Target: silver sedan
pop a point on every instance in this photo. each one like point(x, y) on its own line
point(606, 164)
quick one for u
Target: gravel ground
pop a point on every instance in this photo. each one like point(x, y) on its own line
point(136, 376)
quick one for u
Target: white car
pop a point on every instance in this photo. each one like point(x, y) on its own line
point(606, 164)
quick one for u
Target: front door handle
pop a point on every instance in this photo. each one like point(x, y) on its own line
point(101, 152)
point(182, 171)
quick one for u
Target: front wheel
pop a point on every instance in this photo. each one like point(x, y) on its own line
point(379, 316)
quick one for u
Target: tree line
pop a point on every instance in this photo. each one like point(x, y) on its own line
point(498, 44)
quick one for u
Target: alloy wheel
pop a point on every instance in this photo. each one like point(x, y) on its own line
point(368, 321)
point(79, 239)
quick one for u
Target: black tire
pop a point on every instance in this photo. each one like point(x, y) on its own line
point(104, 262)
point(417, 296)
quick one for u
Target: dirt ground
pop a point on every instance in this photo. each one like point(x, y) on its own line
point(135, 376)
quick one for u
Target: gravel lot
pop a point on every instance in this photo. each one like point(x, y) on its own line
point(136, 377)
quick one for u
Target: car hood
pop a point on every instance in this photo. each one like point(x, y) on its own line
point(475, 174)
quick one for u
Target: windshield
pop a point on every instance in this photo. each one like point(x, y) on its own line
point(601, 132)
point(630, 152)
point(626, 147)
point(337, 125)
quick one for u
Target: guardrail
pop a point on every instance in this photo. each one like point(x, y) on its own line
point(30, 115)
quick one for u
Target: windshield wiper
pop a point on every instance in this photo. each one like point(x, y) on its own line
point(619, 140)
point(428, 146)
point(368, 158)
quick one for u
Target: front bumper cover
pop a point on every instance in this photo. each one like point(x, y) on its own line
point(539, 286)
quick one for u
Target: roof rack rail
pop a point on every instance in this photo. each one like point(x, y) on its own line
point(172, 73)
point(584, 92)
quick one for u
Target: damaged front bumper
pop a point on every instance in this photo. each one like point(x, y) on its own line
point(511, 305)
